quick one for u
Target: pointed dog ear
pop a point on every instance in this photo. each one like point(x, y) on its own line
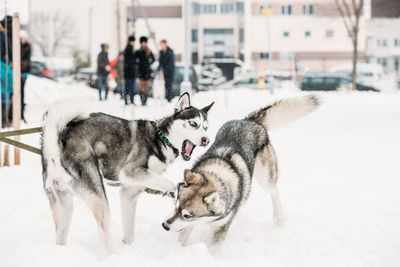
point(212, 199)
point(207, 108)
point(183, 102)
point(192, 177)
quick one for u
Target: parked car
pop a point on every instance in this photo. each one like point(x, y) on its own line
point(40, 69)
point(88, 75)
point(330, 82)
point(178, 77)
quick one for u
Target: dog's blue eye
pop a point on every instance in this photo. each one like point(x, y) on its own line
point(193, 123)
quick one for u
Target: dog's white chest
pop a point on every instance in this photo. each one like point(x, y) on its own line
point(156, 165)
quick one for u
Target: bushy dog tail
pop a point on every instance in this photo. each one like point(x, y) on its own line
point(54, 122)
point(283, 112)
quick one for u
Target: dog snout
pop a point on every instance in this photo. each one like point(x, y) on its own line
point(165, 226)
point(205, 141)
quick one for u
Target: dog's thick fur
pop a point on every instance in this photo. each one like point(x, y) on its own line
point(82, 150)
point(220, 181)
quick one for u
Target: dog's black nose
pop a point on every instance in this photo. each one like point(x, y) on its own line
point(165, 226)
point(205, 141)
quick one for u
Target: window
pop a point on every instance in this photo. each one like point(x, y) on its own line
point(329, 33)
point(219, 42)
point(264, 55)
point(344, 81)
point(381, 43)
point(240, 8)
point(196, 8)
point(264, 11)
point(195, 36)
point(396, 42)
point(308, 9)
point(218, 31)
point(227, 8)
point(317, 80)
point(209, 8)
point(382, 61)
point(331, 80)
point(286, 10)
point(396, 64)
point(286, 34)
point(241, 36)
point(307, 33)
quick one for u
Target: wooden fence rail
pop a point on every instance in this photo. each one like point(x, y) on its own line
point(4, 135)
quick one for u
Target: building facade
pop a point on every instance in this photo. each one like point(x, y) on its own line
point(307, 32)
point(383, 35)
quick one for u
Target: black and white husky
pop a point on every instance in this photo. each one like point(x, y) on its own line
point(220, 181)
point(81, 151)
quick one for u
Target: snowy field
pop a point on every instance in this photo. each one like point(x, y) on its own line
point(339, 184)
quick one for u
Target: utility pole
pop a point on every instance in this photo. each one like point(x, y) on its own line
point(186, 85)
point(270, 63)
point(118, 27)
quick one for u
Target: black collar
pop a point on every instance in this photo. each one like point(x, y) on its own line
point(165, 140)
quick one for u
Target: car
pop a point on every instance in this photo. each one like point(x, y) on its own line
point(178, 77)
point(40, 69)
point(87, 75)
point(330, 82)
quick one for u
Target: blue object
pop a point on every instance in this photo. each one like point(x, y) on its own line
point(3, 68)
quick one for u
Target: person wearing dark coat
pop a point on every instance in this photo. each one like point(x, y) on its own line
point(103, 69)
point(26, 52)
point(144, 58)
point(130, 70)
point(167, 68)
point(6, 40)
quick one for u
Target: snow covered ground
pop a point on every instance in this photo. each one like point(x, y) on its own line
point(339, 184)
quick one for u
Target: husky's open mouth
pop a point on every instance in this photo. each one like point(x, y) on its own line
point(187, 149)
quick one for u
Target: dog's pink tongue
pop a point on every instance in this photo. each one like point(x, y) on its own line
point(188, 148)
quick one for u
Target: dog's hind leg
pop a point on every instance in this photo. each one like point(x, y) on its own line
point(89, 187)
point(266, 173)
point(98, 204)
point(61, 203)
point(129, 196)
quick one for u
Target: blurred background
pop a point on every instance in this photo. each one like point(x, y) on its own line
point(232, 43)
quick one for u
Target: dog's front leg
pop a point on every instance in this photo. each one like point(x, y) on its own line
point(217, 238)
point(184, 236)
point(145, 178)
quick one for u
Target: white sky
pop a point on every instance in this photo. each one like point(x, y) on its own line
point(20, 6)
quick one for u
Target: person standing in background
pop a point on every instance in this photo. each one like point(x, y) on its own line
point(119, 67)
point(167, 68)
point(130, 70)
point(6, 40)
point(144, 58)
point(26, 52)
point(103, 69)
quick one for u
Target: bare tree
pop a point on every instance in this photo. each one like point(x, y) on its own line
point(50, 31)
point(350, 11)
